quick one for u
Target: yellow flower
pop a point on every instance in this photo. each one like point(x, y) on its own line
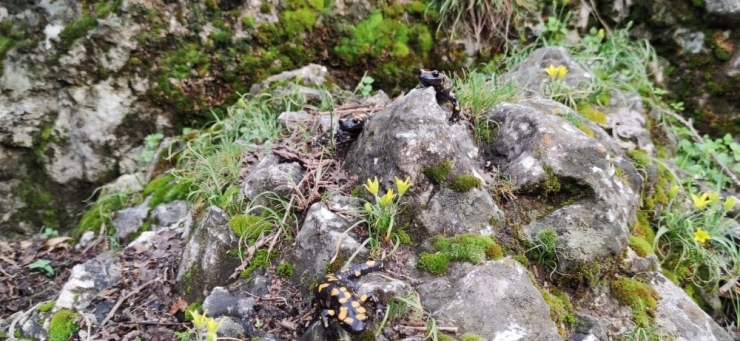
point(701, 236)
point(368, 207)
point(199, 320)
point(673, 192)
point(700, 202)
point(729, 203)
point(402, 185)
point(558, 72)
point(387, 199)
point(211, 328)
point(713, 197)
point(372, 186)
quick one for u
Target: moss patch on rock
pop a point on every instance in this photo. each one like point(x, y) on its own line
point(464, 183)
point(62, 325)
point(438, 173)
point(639, 296)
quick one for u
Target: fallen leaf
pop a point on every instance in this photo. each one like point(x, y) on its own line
point(178, 306)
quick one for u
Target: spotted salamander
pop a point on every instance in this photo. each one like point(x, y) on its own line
point(351, 127)
point(335, 296)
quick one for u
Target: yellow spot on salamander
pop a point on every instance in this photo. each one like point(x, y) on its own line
point(358, 273)
point(334, 292)
point(348, 320)
point(343, 289)
point(370, 263)
point(355, 304)
point(342, 313)
point(331, 312)
point(343, 300)
point(361, 310)
point(361, 317)
point(363, 298)
point(323, 286)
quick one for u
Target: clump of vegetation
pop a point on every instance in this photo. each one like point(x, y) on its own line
point(261, 259)
point(285, 269)
point(76, 30)
point(249, 226)
point(464, 183)
point(641, 297)
point(461, 248)
point(544, 249)
point(641, 247)
point(471, 337)
point(438, 173)
point(381, 215)
point(46, 307)
point(560, 308)
point(62, 325)
point(433, 263)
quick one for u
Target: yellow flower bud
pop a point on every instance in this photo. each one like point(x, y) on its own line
point(372, 186)
point(387, 199)
point(402, 185)
point(729, 203)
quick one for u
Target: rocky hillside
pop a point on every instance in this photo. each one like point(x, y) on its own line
point(571, 201)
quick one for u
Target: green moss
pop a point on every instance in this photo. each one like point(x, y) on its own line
point(46, 307)
point(403, 237)
point(285, 269)
point(590, 113)
point(471, 337)
point(552, 184)
point(671, 276)
point(464, 183)
point(641, 297)
point(265, 8)
point(100, 214)
point(170, 192)
point(415, 7)
point(435, 264)
point(468, 248)
point(438, 173)
point(522, 259)
point(76, 30)
point(195, 306)
point(250, 226)
point(643, 229)
point(260, 259)
point(62, 325)
point(640, 157)
point(641, 247)
point(444, 337)
point(560, 307)
point(158, 182)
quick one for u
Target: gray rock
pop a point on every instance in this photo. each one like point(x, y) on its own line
point(173, 215)
point(271, 178)
point(206, 262)
point(317, 332)
point(322, 233)
point(126, 183)
point(295, 120)
point(221, 302)
point(129, 220)
point(229, 328)
point(411, 135)
point(497, 300)
point(258, 285)
point(537, 148)
point(627, 121)
point(726, 9)
point(690, 41)
point(678, 314)
point(87, 280)
point(311, 75)
point(531, 77)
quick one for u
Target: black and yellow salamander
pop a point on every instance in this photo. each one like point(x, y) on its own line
point(335, 297)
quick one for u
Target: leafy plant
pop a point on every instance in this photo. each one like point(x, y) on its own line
point(544, 250)
point(151, 142)
point(365, 86)
point(381, 214)
point(699, 158)
point(42, 264)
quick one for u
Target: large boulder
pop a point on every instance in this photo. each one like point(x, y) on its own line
point(411, 138)
point(570, 178)
point(497, 301)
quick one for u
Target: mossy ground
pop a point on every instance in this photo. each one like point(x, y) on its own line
point(438, 173)
point(464, 183)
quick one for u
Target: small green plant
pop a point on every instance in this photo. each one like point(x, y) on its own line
point(42, 264)
point(639, 296)
point(461, 248)
point(204, 328)
point(49, 233)
point(433, 263)
point(700, 159)
point(544, 251)
point(381, 215)
point(365, 86)
point(151, 142)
